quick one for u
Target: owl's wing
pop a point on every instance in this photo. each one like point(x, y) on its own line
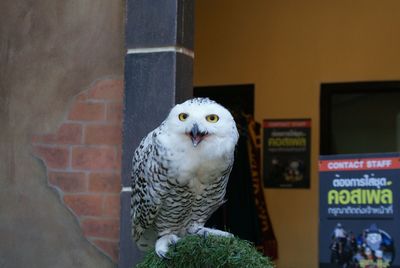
point(217, 190)
point(146, 190)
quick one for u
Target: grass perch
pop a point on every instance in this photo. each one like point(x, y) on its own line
point(205, 252)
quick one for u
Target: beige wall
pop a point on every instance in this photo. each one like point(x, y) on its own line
point(49, 51)
point(287, 48)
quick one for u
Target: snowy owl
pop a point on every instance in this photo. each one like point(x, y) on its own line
point(179, 174)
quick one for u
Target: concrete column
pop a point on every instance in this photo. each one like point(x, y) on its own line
point(158, 74)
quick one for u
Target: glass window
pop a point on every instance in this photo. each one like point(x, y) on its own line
point(360, 117)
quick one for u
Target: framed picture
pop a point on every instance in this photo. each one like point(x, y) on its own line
point(286, 153)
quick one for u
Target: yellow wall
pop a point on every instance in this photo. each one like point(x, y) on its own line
point(287, 48)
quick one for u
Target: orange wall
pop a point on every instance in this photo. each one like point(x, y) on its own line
point(287, 48)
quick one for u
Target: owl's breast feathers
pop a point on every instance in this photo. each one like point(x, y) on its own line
point(195, 166)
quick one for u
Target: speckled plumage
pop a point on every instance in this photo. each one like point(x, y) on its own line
point(179, 173)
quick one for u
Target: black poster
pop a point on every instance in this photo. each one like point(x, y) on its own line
point(287, 145)
point(359, 211)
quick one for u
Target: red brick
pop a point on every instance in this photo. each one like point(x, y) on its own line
point(66, 134)
point(103, 134)
point(119, 158)
point(94, 158)
point(69, 181)
point(54, 157)
point(84, 204)
point(111, 207)
point(69, 134)
point(107, 90)
point(101, 228)
point(114, 112)
point(105, 182)
point(110, 248)
point(86, 111)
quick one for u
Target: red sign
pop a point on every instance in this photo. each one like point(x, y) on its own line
point(360, 164)
point(287, 124)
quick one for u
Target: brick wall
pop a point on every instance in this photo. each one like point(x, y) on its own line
point(83, 161)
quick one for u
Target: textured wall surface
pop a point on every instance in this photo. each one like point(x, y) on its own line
point(83, 162)
point(49, 52)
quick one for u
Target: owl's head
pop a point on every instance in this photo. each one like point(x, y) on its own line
point(201, 120)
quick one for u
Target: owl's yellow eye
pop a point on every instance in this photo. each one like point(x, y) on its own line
point(183, 116)
point(212, 118)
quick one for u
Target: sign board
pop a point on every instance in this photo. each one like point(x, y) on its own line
point(359, 211)
point(286, 153)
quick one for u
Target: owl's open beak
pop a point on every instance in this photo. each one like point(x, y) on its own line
point(196, 135)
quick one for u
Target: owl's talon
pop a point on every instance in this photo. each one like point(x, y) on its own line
point(205, 234)
point(204, 231)
point(163, 243)
point(164, 256)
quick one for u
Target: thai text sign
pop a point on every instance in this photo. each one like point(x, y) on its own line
point(287, 147)
point(359, 210)
point(359, 187)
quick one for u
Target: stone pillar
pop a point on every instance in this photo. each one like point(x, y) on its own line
point(158, 74)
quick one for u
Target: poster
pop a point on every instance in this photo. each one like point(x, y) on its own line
point(286, 154)
point(359, 211)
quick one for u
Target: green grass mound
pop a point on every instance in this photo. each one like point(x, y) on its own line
point(212, 251)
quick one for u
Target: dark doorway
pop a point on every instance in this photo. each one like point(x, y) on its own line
point(234, 97)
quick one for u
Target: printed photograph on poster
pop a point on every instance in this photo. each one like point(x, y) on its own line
point(359, 211)
point(286, 153)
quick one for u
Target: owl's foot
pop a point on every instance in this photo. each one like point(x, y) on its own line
point(163, 244)
point(204, 231)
